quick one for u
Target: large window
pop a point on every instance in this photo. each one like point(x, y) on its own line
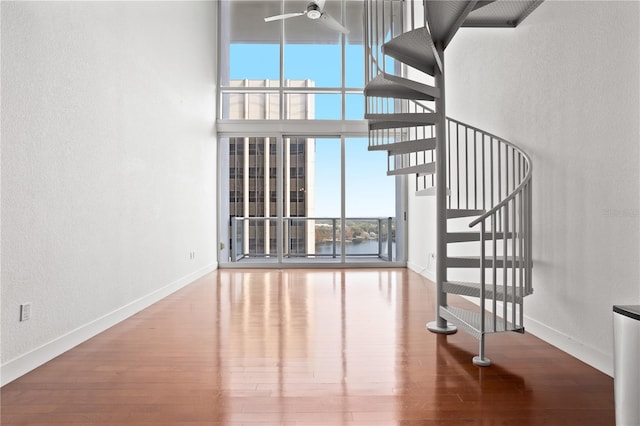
point(297, 183)
point(286, 63)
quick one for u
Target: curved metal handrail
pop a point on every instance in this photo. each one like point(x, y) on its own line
point(519, 189)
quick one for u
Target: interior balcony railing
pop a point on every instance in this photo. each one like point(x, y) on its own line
point(313, 238)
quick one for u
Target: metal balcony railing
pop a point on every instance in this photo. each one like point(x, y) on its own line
point(313, 237)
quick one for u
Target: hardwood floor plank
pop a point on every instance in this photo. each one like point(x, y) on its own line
point(305, 347)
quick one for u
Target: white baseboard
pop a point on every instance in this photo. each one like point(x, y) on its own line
point(588, 355)
point(565, 343)
point(422, 270)
point(23, 364)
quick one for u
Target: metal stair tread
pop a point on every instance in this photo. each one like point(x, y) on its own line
point(474, 262)
point(430, 192)
point(391, 86)
point(461, 237)
point(398, 120)
point(503, 13)
point(470, 321)
point(473, 289)
point(416, 49)
point(406, 117)
point(422, 169)
point(457, 213)
point(405, 147)
point(446, 17)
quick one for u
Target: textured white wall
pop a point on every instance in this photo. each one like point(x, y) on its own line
point(565, 86)
point(108, 161)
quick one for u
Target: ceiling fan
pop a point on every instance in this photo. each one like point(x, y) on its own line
point(315, 11)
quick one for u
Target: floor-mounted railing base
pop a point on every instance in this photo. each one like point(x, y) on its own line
point(481, 362)
point(435, 328)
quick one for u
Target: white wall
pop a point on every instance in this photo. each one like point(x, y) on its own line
point(565, 86)
point(108, 165)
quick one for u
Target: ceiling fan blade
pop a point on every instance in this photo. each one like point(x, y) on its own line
point(285, 16)
point(320, 3)
point(330, 22)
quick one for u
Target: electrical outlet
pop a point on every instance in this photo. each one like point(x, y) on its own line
point(25, 311)
point(431, 260)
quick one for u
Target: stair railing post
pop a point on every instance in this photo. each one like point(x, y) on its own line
point(440, 324)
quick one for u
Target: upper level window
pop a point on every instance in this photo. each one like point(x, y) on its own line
point(296, 68)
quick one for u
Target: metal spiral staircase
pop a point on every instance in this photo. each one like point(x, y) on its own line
point(481, 182)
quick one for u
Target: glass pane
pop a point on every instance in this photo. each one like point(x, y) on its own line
point(250, 106)
point(250, 182)
point(370, 200)
point(354, 106)
point(298, 235)
point(312, 198)
point(320, 64)
point(254, 61)
point(328, 197)
point(327, 194)
point(318, 106)
point(354, 68)
point(249, 47)
point(312, 50)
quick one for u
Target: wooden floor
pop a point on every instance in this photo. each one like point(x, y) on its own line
point(297, 347)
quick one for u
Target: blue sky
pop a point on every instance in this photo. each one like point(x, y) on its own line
point(369, 191)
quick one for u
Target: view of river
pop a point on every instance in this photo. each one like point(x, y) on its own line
point(363, 247)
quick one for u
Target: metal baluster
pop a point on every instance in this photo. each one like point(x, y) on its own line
point(505, 266)
point(234, 240)
point(466, 166)
point(514, 207)
point(506, 170)
point(335, 234)
point(481, 360)
point(484, 175)
point(457, 205)
point(379, 237)
point(513, 172)
point(491, 170)
point(499, 212)
point(494, 271)
point(521, 242)
point(530, 233)
point(449, 158)
point(475, 168)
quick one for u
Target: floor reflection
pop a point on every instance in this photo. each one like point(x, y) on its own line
point(305, 347)
point(326, 337)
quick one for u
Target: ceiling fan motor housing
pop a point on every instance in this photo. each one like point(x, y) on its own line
point(313, 11)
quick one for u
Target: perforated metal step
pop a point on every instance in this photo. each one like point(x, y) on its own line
point(473, 290)
point(391, 86)
point(415, 49)
point(470, 321)
point(406, 147)
point(421, 169)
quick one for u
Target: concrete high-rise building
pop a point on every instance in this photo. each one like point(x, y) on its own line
point(253, 169)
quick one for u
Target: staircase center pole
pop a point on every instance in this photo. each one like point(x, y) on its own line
point(440, 324)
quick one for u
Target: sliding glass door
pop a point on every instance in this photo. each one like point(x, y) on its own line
point(305, 199)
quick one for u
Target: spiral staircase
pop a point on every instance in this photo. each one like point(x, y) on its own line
point(481, 182)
